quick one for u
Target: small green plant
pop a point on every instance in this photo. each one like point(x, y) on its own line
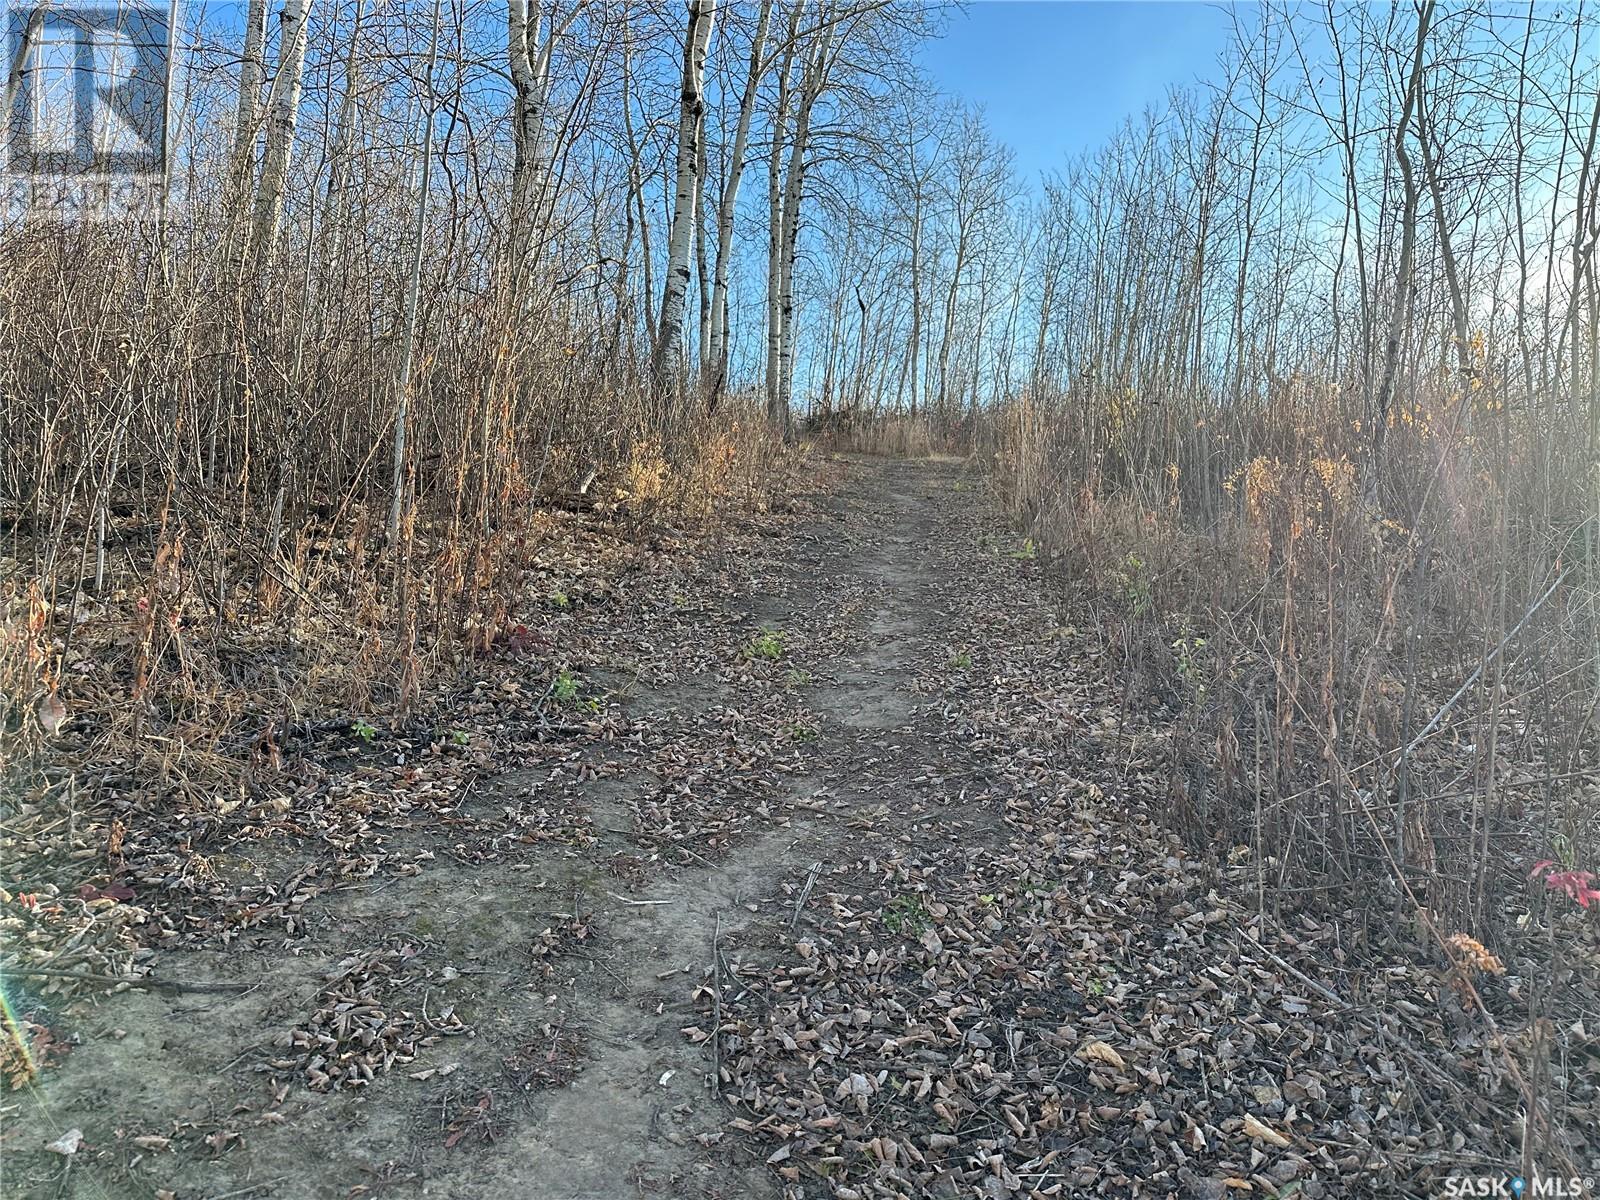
point(1188, 652)
point(1137, 589)
point(803, 731)
point(364, 731)
point(906, 915)
point(767, 644)
point(565, 688)
point(795, 677)
point(558, 600)
point(459, 737)
point(961, 661)
point(1026, 551)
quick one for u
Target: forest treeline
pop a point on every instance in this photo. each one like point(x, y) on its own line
point(462, 252)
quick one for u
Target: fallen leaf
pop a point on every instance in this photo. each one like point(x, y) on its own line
point(67, 1144)
point(112, 891)
point(52, 716)
point(1102, 1052)
point(1264, 1133)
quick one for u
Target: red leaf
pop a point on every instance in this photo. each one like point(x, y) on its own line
point(112, 891)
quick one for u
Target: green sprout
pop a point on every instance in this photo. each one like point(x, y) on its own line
point(1026, 551)
point(906, 915)
point(565, 687)
point(767, 644)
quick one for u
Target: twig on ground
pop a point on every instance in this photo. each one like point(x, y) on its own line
point(805, 893)
point(132, 981)
point(716, 1004)
point(637, 903)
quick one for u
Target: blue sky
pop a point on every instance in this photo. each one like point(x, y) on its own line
point(1058, 76)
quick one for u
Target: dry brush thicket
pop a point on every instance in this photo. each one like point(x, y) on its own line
point(1313, 417)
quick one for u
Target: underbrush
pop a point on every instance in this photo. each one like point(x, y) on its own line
point(193, 632)
point(197, 687)
point(1368, 686)
point(270, 526)
point(891, 436)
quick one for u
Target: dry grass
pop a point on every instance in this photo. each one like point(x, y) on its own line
point(1309, 643)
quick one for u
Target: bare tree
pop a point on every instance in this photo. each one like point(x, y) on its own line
point(728, 201)
point(666, 362)
point(530, 49)
point(283, 116)
point(1401, 310)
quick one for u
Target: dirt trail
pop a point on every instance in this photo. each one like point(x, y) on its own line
point(570, 1074)
point(638, 1118)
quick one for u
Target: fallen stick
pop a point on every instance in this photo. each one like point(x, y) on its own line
point(805, 893)
point(1326, 993)
point(133, 981)
point(716, 1005)
point(637, 903)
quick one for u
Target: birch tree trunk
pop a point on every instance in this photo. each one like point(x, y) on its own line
point(285, 112)
point(252, 70)
point(19, 63)
point(530, 92)
point(775, 239)
point(636, 190)
point(812, 82)
point(690, 174)
point(718, 350)
point(702, 273)
point(246, 126)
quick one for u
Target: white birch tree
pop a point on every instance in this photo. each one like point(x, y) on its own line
point(690, 176)
point(283, 116)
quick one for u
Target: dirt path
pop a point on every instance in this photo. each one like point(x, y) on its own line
point(858, 621)
point(773, 709)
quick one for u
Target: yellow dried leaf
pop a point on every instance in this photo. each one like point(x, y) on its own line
point(1264, 1133)
point(1103, 1053)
